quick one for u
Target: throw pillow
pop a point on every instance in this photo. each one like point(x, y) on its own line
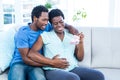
point(6, 47)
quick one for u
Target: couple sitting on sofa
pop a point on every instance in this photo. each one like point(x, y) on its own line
point(61, 56)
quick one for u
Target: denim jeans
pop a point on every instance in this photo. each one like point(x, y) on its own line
point(21, 71)
point(78, 73)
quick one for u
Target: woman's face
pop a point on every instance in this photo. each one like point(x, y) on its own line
point(58, 24)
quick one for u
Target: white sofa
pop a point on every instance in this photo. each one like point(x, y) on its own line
point(102, 51)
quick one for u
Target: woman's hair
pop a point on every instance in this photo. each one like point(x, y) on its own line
point(54, 13)
point(37, 11)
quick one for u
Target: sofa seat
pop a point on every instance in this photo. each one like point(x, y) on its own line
point(4, 75)
point(110, 74)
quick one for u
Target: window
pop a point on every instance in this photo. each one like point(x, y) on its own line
point(9, 13)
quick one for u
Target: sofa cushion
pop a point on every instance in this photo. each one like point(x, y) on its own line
point(87, 46)
point(6, 47)
point(106, 47)
point(110, 74)
point(4, 76)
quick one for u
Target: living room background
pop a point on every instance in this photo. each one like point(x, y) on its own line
point(98, 12)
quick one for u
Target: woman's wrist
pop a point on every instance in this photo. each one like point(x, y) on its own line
point(80, 42)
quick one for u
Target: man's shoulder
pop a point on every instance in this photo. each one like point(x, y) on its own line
point(24, 28)
point(22, 31)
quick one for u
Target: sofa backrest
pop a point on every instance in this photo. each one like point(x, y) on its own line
point(106, 47)
point(102, 47)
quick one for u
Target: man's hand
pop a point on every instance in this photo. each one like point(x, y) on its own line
point(60, 62)
point(73, 31)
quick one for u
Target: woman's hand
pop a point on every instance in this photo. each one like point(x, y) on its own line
point(81, 35)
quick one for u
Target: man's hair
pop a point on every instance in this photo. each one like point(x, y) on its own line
point(54, 13)
point(37, 11)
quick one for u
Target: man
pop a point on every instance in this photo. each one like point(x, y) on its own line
point(22, 67)
point(66, 49)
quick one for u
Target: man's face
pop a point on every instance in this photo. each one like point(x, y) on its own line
point(58, 24)
point(42, 21)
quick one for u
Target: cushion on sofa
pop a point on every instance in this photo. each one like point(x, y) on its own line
point(106, 47)
point(6, 47)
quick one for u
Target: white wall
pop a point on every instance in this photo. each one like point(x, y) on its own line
point(117, 13)
point(99, 12)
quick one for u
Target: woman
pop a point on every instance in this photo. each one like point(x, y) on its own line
point(59, 42)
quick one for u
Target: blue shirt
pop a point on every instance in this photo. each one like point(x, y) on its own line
point(53, 46)
point(25, 38)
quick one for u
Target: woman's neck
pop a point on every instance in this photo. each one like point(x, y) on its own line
point(60, 35)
